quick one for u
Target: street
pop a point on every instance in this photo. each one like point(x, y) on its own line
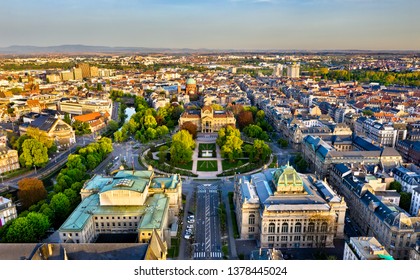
point(207, 226)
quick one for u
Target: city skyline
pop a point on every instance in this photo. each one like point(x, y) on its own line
point(218, 24)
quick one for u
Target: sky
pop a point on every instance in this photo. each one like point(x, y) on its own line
point(214, 24)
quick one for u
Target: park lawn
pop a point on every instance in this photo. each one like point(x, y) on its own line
point(187, 166)
point(226, 164)
point(206, 146)
point(207, 165)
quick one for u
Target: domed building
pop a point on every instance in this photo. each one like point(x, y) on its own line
point(284, 209)
point(191, 87)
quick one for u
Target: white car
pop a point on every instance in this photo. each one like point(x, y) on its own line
point(190, 226)
point(187, 236)
point(191, 221)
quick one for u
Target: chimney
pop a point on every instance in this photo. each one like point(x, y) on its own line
point(162, 185)
point(50, 249)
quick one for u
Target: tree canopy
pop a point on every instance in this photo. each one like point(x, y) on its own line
point(33, 153)
point(31, 190)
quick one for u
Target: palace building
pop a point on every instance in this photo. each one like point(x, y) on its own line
point(284, 209)
point(129, 202)
point(207, 119)
point(191, 87)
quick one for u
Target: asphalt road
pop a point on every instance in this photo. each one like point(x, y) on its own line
point(207, 227)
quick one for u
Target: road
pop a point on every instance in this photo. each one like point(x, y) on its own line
point(207, 226)
point(57, 161)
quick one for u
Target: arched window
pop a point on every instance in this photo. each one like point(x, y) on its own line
point(298, 227)
point(284, 227)
point(271, 228)
point(251, 219)
point(324, 227)
point(311, 227)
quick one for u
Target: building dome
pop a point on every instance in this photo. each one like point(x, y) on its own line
point(191, 81)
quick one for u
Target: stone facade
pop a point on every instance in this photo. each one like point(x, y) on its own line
point(208, 120)
point(284, 209)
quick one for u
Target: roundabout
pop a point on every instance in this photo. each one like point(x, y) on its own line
point(207, 162)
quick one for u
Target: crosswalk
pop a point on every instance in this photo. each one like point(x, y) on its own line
point(198, 255)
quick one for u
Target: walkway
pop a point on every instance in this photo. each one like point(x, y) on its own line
point(204, 139)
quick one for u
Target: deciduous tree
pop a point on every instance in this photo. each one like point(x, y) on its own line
point(31, 190)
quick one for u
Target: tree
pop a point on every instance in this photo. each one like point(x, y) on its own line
point(260, 115)
point(31, 190)
point(162, 130)
point(119, 136)
point(245, 118)
point(67, 118)
point(283, 143)
point(41, 136)
point(34, 153)
point(217, 107)
point(232, 148)
point(112, 125)
point(255, 131)
point(367, 113)
point(19, 142)
point(28, 229)
point(405, 201)
point(150, 134)
point(395, 186)
point(162, 153)
point(185, 137)
point(191, 128)
point(149, 121)
point(180, 152)
point(81, 128)
point(60, 205)
point(260, 151)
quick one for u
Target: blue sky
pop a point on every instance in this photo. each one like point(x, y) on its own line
point(219, 24)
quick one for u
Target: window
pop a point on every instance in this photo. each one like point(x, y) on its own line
point(77, 234)
point(251, 219)
point(324, 227)
point(271, 238)
point(298, 227)
point(284, 227)
point(297, 238)
point(251, 229)
point(284, 238)
point(310, 238)
point(271, 228)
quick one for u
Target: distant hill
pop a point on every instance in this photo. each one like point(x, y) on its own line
point(84, 49)
point(94, 49)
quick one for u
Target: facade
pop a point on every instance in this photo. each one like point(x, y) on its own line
point(394, 228)
point(85, 106)
point(415, 202)
point(208, 120)
point(365, 248)
point(383, 133)
point(7, 211)
point(283, 209)
point(293, 70)
point(408, 179)
point(95, 120)
point(129, 202)
point(9, 160)
point(320, 156)
point(278, 70)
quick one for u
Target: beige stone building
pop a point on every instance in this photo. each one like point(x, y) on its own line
point(284, 209)
point(129, 202)
point(375, 215)
point(56, 129)
point(208, 120)
point(365, 248)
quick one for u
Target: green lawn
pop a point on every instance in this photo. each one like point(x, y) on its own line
point(207, 165)
point(207, 146)
point(187, 166)
point(226, 164)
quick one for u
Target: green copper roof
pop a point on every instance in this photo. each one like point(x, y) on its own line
point(191, 81)
point(155, 212)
